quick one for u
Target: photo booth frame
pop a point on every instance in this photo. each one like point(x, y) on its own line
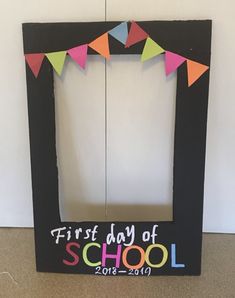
point(133, 248)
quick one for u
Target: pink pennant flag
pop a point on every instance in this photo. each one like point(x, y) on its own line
point(34, 61)
point(172, 62)
point(79, 55)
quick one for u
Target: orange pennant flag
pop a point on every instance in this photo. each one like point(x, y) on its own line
point(195, 71)
point(101, 45)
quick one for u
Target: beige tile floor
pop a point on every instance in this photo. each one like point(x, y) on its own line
point(17, 258)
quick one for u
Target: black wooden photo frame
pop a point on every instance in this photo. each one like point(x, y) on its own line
point(120, 248)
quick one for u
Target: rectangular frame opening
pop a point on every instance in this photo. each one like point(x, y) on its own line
point(121, 125)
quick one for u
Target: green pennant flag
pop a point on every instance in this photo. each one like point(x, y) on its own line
point(151, 49)
point(57, 60)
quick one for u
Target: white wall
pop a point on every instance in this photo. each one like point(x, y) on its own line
point(15, 184)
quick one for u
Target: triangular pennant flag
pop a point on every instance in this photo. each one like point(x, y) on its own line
point(101, 45)
point(57, 60)
point(172, 62)
point(195, 71)
point(135, 35)
point(34, 62)
point(79, 54)
point(120, 32)
point(151, 49)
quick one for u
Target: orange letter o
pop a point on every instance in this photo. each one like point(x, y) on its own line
point(124, 257)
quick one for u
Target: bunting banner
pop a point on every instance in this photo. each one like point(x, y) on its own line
point(101, 46)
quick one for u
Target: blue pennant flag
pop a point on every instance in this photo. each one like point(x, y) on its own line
point(120, 32)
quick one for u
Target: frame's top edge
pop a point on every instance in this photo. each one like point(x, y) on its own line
point(116, 21)
point(177, 36)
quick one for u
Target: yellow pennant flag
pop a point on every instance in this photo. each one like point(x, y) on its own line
point(57, 60)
